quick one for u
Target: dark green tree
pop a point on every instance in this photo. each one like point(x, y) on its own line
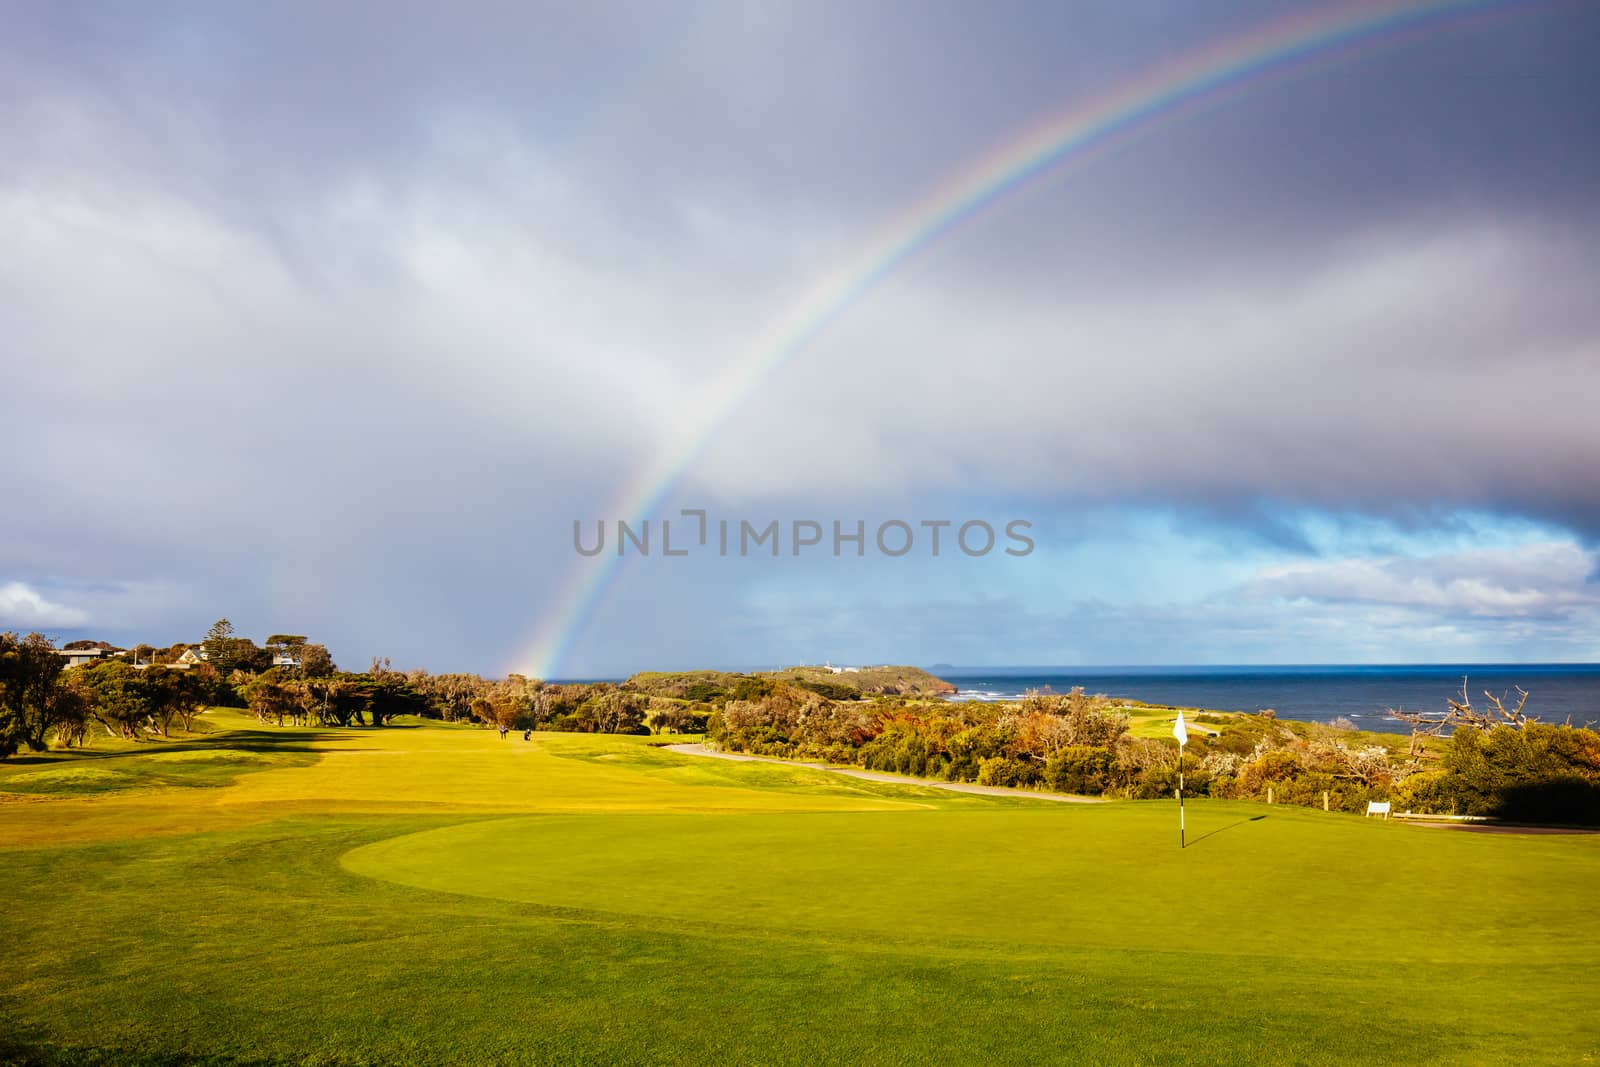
point(219, 647)
point(29, 674)
point(390, 695)
point(316, 662)
point(247, 656)
point(121, 695)
point(73, 712)
point(174, 694)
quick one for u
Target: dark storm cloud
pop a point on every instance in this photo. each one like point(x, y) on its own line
point(831, 102)
point(845, 113)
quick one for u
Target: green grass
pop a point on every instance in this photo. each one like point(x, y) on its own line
point(440, 895)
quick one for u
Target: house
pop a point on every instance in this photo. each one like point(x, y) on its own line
point(191, 656)
point(287, 657)
point(77, 657)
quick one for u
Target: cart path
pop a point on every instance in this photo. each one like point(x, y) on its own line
point(892, 779)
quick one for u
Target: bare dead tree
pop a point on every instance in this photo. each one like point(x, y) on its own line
point(1423, 725)
point(1462, 713)
point(1496, 715)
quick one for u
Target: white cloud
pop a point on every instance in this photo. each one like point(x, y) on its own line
point(1542, 579)
point(24, 608)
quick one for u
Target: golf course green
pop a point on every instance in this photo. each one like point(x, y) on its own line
point(432, 894)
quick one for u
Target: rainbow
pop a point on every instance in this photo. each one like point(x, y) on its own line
point(1161, 93)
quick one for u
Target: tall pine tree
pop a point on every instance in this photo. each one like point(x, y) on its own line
point(219, 647)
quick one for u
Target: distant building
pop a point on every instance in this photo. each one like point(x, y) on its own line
point(77, 657)
point(192, 656)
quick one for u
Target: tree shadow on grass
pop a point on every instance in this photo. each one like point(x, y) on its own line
point(258, 741)
point(48, 1054)
point(1230, 826)
point(267, 739)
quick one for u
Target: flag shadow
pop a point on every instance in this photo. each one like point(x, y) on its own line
point(1230, 826)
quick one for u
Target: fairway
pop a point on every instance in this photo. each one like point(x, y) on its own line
point(435, 894)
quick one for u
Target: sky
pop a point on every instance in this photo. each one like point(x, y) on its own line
point(336, 320)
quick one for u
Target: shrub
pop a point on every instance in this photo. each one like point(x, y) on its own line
point(1003, 770)
point(1272, 767)
point(1306, 791)
point(1426, 791)
point(831, 690)
point(963, 768)
point(752, 688)
point(1565, 799)
point(1081, 769)
point(1155, 783)
point(1538, 773)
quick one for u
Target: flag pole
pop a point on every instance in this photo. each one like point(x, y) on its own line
point(1181, 732)
point(1183, 841)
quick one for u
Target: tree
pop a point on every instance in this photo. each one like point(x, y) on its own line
point(389, 694)
point(348, 698)
point(245, 656)
point(218, 646)
point(161, 694)
point(273, 700)
point(1459, 713)
point(316, 662)
point(450, 694)
point(1046, 723)
point(74, 706)
point(121, 696)
point(174, 694)
point(616, 712)
point(668, 715)
point(82, 645)
point(29, 672)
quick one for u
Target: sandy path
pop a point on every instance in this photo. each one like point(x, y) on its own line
point(892, 779)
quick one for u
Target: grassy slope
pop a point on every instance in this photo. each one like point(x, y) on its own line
point(677, 683)
point(884, 679)
point(441, 895)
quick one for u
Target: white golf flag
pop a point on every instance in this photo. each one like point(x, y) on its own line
point(1180, 731)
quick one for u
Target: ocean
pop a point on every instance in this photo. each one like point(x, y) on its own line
point(1310, 693)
